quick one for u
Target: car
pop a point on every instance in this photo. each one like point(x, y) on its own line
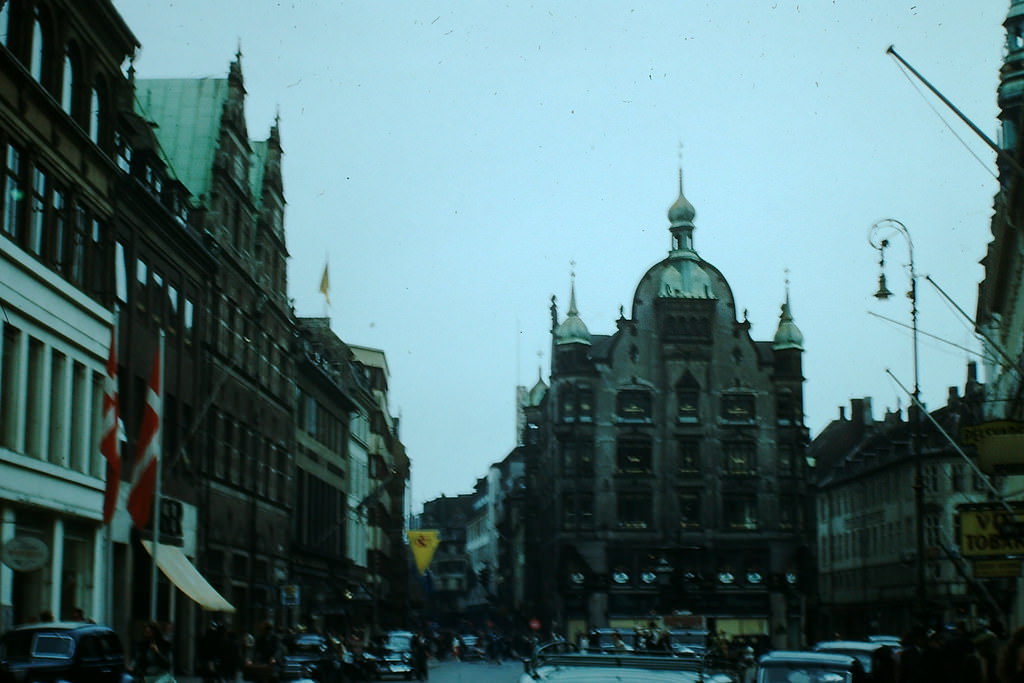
point(76, 652)
point(393, 655)
point(792, 666)
point(470, 647)
point(877, 658)
point(560, 662)
point(686, 640)
point(308, 656)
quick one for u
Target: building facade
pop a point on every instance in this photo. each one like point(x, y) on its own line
point(672, 476)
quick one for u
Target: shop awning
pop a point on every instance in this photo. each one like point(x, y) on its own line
point(183, 574)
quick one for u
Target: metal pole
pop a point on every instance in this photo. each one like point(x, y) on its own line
point(914, 411)
point(154, 572)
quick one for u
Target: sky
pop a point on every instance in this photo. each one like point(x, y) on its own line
point(455, 163)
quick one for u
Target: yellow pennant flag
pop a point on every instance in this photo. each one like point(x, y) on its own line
point(423, 543)
point(325, 285)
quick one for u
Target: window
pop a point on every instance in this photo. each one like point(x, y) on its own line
point(578, 512)
point(172, 306)
point(95, 114)
point(11, 367)
point(188, 319)
point(578, 459)
point(689, 456)
point(785, 407)
point(790, 512)
point(141, 283)
point(157, 295)
point(738, 407)
point(787, 459)
point(67, 82)
point(58, 237)
point(689, 511)
point(38, 50)
point(740, 457)
point(37, 213)
point(79, 240)
point(634, 510)
point(740, 512)
point(634, 455)
point(120, 273)
point(14, 193)
point(634, 405)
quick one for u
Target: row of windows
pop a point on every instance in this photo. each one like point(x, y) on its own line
point(576, 403)
point(634, 456)
point(59, 69)
point(885, 539)
point(38, 213)
point(937, 479)
point(636, 510)
point(316, 420)
point(239, 455)
point(50, 403)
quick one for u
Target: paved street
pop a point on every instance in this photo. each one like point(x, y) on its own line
point(475, 672)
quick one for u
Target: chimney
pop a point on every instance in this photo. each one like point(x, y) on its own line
point(842, 413)
point(860, 410)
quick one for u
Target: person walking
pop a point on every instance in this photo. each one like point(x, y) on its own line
point(151, 661)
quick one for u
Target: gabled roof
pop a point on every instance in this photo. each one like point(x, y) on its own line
point(187, 112)
point(257, 167)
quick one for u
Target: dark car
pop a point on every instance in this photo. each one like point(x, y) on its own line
point(782, 666)
point(560, 662)
point(393, 655)
point(877, 658)
point(308, 656)
point(75, 652)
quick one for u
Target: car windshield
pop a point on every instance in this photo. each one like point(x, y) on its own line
point(399, 641)
point(801, 673)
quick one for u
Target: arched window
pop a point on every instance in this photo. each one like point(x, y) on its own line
point(5, 21)
point(67, 81)
point(95, 113)
point(38, 50)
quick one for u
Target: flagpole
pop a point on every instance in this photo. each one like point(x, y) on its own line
point(108, 608)
point(154, 572)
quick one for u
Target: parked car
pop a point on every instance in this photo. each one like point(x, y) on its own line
point(393, 656)
point(790, 666)
point(877, 658)
point(76, 652)
point(559, 662)
point(308, 656)
point(686, 640)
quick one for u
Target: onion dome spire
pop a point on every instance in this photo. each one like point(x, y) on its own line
point(680, 220)
point(572, 330)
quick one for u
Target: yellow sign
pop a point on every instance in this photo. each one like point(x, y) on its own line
point(990, 531)
point(996, 569)
point(423, 543)
point(1000, 445)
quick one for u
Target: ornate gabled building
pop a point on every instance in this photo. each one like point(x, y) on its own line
point(669, 473)
point(244, 431)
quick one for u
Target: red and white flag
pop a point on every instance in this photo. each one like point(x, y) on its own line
point(110, 444)
point(147, 455)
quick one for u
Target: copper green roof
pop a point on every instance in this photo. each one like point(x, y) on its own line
point(187, 112)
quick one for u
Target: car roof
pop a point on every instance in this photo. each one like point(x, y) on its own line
point(858, 645)
point(804, 657)
point(60, 626)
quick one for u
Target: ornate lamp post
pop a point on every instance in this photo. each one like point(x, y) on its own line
point(878, 237)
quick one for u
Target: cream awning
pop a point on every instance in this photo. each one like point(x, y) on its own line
point(183, 574)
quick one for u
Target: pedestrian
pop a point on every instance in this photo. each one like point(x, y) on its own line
point(260, 669)
point(1011, 661)
point(420, 655)
point(151, 660)
point(209, 652)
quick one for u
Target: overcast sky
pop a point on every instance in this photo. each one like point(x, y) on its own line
point(453, 159)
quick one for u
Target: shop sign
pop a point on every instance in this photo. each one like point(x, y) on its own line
point(996, 569)
point(290, 595)
point(25, 553)
point(989, 530)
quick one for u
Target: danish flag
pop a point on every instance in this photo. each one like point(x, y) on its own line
point(147, 455)
point(110, 444)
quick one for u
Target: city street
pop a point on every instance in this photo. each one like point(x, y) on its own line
point(475, 672)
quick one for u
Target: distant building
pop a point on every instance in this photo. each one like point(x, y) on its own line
point(866, 530)
point(670, 475)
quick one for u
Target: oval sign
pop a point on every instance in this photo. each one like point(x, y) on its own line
point(25, 553)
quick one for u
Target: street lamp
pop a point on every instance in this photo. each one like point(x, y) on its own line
point(878, 237)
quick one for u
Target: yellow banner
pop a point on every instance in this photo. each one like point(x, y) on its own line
point(423, 543)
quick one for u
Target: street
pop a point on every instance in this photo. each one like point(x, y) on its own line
point(450, 671)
